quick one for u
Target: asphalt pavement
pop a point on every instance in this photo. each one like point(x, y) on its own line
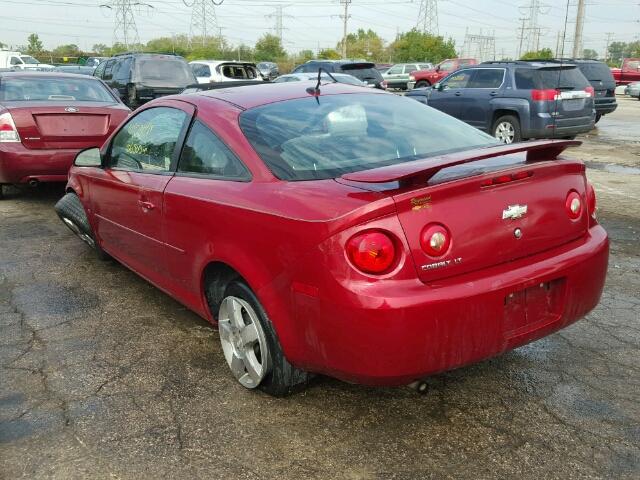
point(102, 376)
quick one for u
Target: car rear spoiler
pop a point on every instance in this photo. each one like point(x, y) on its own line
point(424, 169)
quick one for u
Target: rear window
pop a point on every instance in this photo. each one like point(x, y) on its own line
point(596, 72)
point(167, 71)
point(328, 136)
point(364, 72)
point(62, 89)
point(239, 72)
point(546, 78)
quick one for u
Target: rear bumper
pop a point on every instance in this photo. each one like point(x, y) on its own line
point(543, 126)
point(21, 165)
point(392, 333)
point(605, 105)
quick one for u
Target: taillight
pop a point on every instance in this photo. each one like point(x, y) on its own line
point(8, 132)
point(591, 91)
point(384, 84)
point(573, 205)
point(435, 240)
point(543, 95)
point(591, 200)
point(509, 177)
point(371, 252)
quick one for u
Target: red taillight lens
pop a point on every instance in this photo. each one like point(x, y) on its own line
point(591, 91)
point(542, 95)
point(489, 182)
point(435, 240)
point(8, 132)
point(573, 205)
point(591, 199)
point(371, 252)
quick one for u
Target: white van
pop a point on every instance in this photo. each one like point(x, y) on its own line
point(210, 71)
point(19, 61)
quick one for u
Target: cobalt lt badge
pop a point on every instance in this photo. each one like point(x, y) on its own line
point(514, 212)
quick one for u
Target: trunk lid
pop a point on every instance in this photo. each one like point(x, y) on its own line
point(43, 125)
point(482, 220)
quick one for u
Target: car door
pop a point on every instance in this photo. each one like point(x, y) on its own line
point(208, 179)
point(446, 97)
point(484, 85)
point(108, 70)
point(121, 76)
point(393, 76)
point(127, 194)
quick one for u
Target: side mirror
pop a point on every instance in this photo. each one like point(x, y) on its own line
point(88, 158)
point(439, 86)
point(437, 68)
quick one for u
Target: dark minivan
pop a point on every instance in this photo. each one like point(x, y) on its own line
point(140, 77)
point(365, 71)
point(515, 101)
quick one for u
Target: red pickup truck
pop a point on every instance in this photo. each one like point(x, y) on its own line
point(425, 78)
point(630, 71)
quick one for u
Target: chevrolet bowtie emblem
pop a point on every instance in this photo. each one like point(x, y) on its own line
point(514, 211)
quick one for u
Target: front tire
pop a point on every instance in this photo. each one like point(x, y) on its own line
point(251, 347)
point(507, 129)
point(422, 84)
point(71, 212)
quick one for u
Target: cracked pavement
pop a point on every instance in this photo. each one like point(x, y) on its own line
point(104, 376)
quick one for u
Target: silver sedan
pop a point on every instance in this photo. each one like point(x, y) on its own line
point(633, 90)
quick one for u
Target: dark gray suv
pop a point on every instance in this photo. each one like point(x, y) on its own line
point(518, 100)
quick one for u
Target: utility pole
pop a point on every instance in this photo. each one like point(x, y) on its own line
point(577, 39)
point(345, 17)
point(203, 19)
point(428, 17)
point(124, 28)
point(606, 50)
point(522, 19)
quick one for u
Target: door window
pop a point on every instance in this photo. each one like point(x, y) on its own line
point(486, 78)
point(200, 70)
point(108, 68)
point(121, 70)
point(397, 70)
point(147, 142)
point(99, 71)
point(205, 154)
point(447, 66)
point(16, 61)
point(458, 79)
point(410, 68)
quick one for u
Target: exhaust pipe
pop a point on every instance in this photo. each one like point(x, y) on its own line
point(34, 182)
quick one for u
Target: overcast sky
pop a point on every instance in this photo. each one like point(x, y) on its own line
point(315, 24)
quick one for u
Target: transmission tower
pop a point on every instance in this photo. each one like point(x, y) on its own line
point(428, 17)
point(124, 29)
point(481, 47)
point(203, 19)
point(531, 32)
point(278, 15)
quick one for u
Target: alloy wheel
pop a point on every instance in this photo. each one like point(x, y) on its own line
point(243, 341)
point(505, 132)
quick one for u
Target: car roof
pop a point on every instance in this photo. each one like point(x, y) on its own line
point(522, 63)
point(250, 96)
point(25, 74)
point(315, 74)
point(218, 62)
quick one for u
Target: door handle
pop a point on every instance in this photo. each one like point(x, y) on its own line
point(493, 94)
point(146, 205)
point(457, 94)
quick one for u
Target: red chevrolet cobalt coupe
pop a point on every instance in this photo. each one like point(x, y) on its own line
point(47, 118)
point(342, 231)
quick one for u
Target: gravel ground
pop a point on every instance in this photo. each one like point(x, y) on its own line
point(104, 376)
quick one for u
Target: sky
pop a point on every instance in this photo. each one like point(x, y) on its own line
point(314, 24)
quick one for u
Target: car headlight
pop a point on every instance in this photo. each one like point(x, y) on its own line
point(412, 78)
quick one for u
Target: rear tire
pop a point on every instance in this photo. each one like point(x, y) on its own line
point(253, 352)
point(422, 84)
point(1, 191)
point(507, 129)
point(598, 117)
point(71, 212)
point(132, 101)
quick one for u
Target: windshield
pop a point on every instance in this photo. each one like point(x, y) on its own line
point(168, 72)
point(29, 59)
point(328, 136)
point(64, 89)
point(547, 78)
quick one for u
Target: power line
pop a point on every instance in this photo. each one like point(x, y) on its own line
point(481, 47)
point(279, 15)
point(203, 20)
point(428, 17)
point(125, 30)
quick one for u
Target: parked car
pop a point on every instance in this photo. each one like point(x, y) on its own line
point(515, 101)
point(268, 70)
point(340, 77)
point(207, 71)
point(599, 76)
point(630, 71)
point(20, 61)
point(46, 118)
point(633, 90)
point(383, 67)
point(95, 61)
point(78, 69)
point(336, 234)
point(140, 77)
point(364, 71)
point(426, 78)
point(398, 75)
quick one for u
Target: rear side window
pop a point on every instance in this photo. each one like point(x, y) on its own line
point(122, 70)
point(99, 71)
point(108, 68)
point(486, 78)
point(238, 72)
point(201, 70)
point(147, 142)
point(205, 154)
point(547, 78)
